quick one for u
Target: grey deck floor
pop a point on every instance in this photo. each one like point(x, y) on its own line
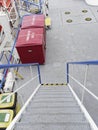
point(75, 41)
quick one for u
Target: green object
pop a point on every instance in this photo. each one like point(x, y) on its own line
point(6, 117)
point(69, 21)
point(9, 99)
point(67, 12)
point(2, 117)
point(88, 19)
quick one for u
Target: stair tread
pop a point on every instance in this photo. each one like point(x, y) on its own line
point(52, 118)
point(53, 99)
point(54, 110)
point(54, 126)
point(53, 104)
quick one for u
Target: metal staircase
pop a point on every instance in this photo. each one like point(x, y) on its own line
point(53, 108)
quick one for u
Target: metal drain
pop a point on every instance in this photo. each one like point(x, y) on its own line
point(88, 19)
point(84, 11)
point(69, 21)
point(67, 12)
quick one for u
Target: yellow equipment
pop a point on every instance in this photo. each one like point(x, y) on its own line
point(6, 116)
point(10, 102)
point(48, 22)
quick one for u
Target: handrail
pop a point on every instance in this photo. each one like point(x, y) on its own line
point(32, 3)
point(92, 94)
point(22, 86)
point(93, 125)
point(18, 116)
point(7, 66)
point(79, 63)
point(9, 59)
point(87, 115)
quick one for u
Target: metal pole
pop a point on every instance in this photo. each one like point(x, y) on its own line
point(67, 68)
point(39, 73)
point(85, 79)
point(2, 53)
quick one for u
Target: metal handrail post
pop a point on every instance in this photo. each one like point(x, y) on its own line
point(38, 67)
point(85, 79)
point(1, 55)
point(67, 66)
point(40, 5)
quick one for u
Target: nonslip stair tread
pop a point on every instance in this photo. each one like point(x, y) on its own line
point(52, 118)
point(62, 88)
point(53, 126)
point(54, 96)
point(52, 99)
point(54, 109)
point(53, 104)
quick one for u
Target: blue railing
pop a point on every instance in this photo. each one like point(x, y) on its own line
point(33, 3)
point(9, 58)
point(7, 66)
point(79, 63)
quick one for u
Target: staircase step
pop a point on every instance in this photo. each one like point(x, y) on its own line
point(53, 126)
point(53, 96)
point(54, 109)
point(37, 99)
point(56, 88)
point(52, 118)
point(52, 104)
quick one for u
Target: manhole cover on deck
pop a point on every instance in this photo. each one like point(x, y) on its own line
point(88, 19)
point(67, 12)
point(69, 21)
point(84, 11)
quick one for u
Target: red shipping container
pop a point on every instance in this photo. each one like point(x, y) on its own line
point(31, 45)
point(33, 21)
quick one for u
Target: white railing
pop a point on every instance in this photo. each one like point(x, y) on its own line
point(21, 87)
point(80, 102)
point(18, 116)
point(87, 115)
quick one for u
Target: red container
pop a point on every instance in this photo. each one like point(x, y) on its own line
point(31, 45)
point(33, 21)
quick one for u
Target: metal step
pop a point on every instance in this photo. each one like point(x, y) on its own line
point(52, 99)
point(53, 110)
point(55, 88)
point(50, 95)
point(52, 104)
point(53, 126)
point(52, 118)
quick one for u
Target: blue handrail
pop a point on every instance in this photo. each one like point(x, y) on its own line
point(78, 63)
point(9, 59)
point(28, 2)
point(7, 66)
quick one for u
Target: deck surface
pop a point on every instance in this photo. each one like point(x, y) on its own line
point(71, 38)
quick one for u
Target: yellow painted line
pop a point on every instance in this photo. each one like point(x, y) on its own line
point(54, 84)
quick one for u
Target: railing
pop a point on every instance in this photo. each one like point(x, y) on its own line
point(8, 66)
point(28, 3)
point(83, 86)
